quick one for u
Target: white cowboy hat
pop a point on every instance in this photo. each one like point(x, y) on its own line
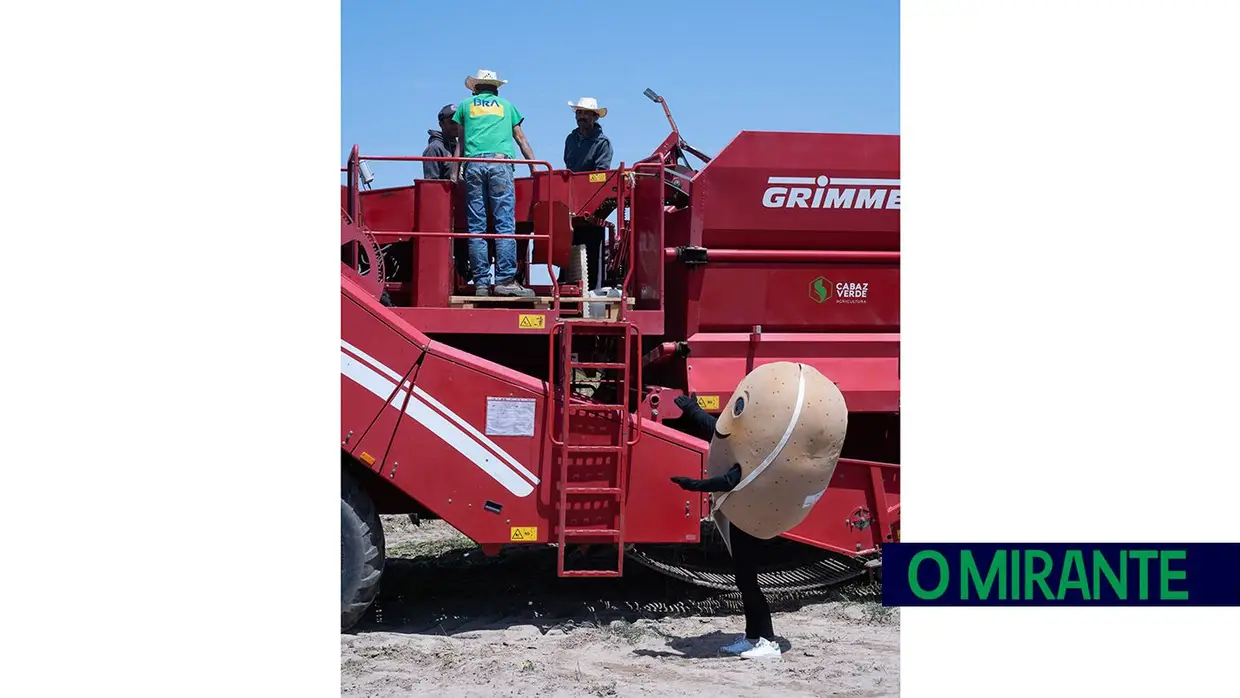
point(484, 77)
point(589, 104)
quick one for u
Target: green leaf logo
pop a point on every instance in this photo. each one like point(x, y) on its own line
point(819, 289)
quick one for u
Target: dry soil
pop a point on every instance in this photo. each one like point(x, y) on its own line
point(453, 623)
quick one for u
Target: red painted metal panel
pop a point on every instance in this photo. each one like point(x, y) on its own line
point(366, 324)
point(365, 425)
point(369, 341)
point(554, 219)
point(866, 367)
point(647, 248)
point(574, 189)
point(454, 468)
point(785, 297)
point(658, 510)
point(745, 197)
point(434, 275)
point(389, 209)
point(847, 517)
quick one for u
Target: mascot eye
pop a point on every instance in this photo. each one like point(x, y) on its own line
point(739, 406)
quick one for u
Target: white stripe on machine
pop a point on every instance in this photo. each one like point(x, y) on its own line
point(449, 426)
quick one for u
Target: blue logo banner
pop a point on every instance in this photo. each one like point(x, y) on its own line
point(1061, 574)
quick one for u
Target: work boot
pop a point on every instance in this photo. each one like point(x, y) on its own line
point(512, 288)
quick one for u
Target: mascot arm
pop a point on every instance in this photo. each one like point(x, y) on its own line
point(722, 483)
point(702, 421)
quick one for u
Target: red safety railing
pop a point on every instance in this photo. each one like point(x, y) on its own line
point(351, 168)
point(840, 256)
point(556, 388)
point(637, 416)
point(355, 158)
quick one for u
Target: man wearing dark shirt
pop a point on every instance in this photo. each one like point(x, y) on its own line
point(440, 145)
point(587, 149)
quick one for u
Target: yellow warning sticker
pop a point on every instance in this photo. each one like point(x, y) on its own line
point(598, 177)
point(708, 402)
point(370, 460)
point(528, 321)
point(523, 533)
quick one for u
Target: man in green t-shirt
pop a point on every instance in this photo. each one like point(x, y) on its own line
point(490, 123)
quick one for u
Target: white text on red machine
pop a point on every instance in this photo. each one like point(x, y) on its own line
point(832, 192)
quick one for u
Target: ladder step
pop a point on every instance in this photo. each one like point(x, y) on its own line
point(592, 532)
point(593, 490)
point(596, 364)
point(594, 449)
point(590, 573)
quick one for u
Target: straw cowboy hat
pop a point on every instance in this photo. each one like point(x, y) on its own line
point(483, 77)
point(589, 104)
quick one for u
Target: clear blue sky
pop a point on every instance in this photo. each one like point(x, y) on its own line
point(724, 66)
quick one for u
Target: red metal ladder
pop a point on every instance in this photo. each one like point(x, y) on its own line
point(617, 447)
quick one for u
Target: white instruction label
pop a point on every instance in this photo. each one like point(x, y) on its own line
point(510, 416)
point(813, 499)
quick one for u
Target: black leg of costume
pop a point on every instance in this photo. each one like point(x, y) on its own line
point(745, 559)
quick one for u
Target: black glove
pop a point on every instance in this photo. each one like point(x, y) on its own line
point(702, 421)
point(688, 483)
point(720, 483)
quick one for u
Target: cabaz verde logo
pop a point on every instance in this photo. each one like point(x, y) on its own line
point(822, 290)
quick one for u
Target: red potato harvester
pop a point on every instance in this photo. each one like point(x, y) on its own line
point(551, 420)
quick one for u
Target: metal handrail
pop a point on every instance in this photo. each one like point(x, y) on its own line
point(355, 157)
point(637, 416)
point(552, 386)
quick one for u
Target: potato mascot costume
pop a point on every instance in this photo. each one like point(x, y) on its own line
point(772, 453)
point(784, 427)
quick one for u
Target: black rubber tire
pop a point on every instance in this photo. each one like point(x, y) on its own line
point(361, 551)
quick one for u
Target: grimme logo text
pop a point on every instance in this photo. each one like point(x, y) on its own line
point(832, 192)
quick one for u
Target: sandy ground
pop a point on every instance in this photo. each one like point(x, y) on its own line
point(454, 623)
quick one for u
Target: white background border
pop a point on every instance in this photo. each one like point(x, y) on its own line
point(1069, 309)
point(1069, 302)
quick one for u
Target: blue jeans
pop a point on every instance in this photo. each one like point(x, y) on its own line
point(494, 182)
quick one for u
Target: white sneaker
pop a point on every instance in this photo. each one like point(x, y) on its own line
point(765, 649)
point(741, 645)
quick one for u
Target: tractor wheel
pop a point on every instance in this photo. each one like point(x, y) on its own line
point(361, 551)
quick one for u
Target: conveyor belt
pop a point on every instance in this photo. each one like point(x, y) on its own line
point(790, 567)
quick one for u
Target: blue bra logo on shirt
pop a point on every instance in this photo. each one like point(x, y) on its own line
point(486, 106)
